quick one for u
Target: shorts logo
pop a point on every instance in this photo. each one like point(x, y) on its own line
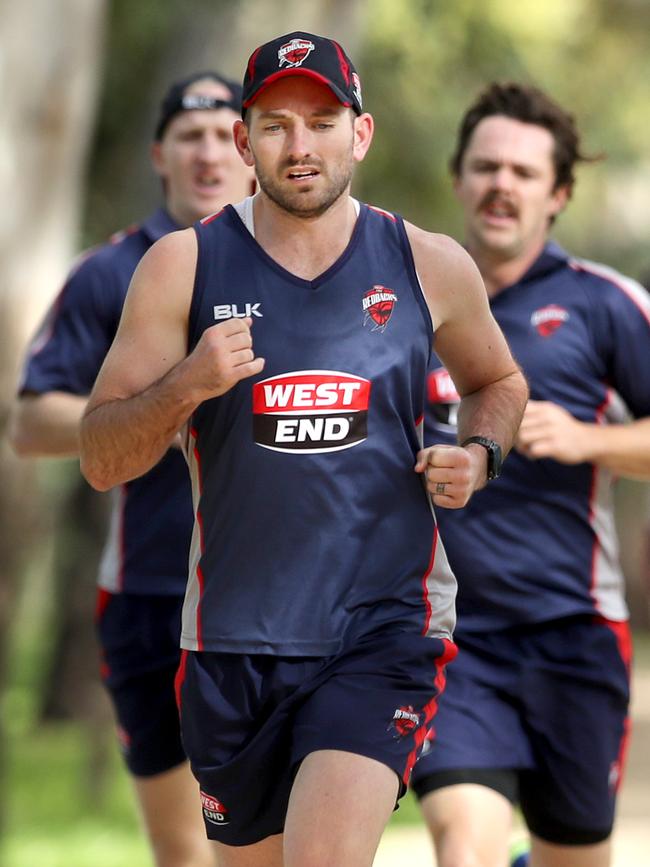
point(311, 411)
point(404, 721)
point(614, 777)
point(547, 320)
point(378, 304)
point(295, 52)
point(443, 398)
point(213, 810)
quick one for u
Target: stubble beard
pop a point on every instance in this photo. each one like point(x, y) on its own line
point(300, 203)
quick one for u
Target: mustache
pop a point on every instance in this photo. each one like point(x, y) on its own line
point(312, 162)
point(495, 197)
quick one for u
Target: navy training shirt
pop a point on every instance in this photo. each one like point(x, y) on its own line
point(312, 527)
point(539, 543)
point(151, 519)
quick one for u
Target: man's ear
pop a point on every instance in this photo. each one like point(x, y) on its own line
point(157, 158)
point(559, 199)
point(364, 127)
point(242, 142)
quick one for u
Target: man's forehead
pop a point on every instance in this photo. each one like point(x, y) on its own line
point(505, 137)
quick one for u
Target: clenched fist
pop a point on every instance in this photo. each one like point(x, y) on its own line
point(223, 356)
point(452, 473)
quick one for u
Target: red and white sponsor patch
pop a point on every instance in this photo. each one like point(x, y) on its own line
point(311, 411)
point(213, 810)
point(548, 319)
point(295, 52)
point(378, 304)
point(441, 388)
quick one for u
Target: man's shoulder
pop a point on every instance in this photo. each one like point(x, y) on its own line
point(437, 254)
point(122, 250)
point(607, 283)
point(435, 243)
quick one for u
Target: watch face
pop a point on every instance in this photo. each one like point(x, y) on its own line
point(494, 461)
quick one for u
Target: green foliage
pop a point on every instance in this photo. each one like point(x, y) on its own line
point(425, 61)
point(421, 62)
point(51, 822)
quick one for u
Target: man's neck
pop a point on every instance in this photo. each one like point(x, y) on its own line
point(305, 246)
point(500, 271)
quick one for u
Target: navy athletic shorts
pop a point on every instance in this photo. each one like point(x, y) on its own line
point(539, 714)
point(139, 638)
point(249, 720)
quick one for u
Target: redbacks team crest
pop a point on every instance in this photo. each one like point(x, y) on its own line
point(378, 305)
point(295, 52)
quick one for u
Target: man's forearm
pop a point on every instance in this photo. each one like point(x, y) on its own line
point(47, 425)
point(494, 411)
point(122, 439)
point(622, 448)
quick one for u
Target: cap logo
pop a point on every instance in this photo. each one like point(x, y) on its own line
point(295, 52)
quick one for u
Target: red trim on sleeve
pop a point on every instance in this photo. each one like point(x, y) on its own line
point(383, 213)
point(211, 217)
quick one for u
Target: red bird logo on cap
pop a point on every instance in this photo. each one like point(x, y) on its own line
point(295, 52)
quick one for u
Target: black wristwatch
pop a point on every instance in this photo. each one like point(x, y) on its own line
point(493, 450)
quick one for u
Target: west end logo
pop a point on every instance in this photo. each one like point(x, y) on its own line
point(310, 411)
point(295, 52)
point(377, 305)
point(213, 810)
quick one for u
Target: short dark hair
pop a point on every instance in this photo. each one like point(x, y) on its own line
point(527, 104)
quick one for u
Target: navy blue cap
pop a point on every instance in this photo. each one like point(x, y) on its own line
point(177, 100)
point(299, 53)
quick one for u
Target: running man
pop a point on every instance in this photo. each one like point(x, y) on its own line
point(535, 710)
point(289, 337)
point(144, 570)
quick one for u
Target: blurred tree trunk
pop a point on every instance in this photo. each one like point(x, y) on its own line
point(48, 74)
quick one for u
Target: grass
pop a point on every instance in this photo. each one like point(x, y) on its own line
point(56, 817)
point(53, 820)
